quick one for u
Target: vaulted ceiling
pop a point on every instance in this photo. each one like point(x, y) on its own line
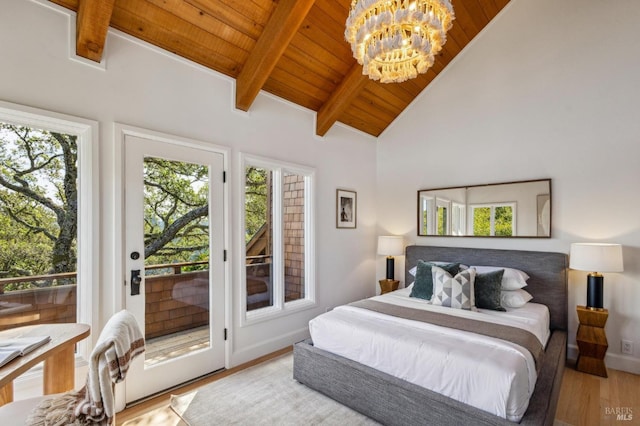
point(294, 49)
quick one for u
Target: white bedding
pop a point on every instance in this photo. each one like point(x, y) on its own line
point(485, 372)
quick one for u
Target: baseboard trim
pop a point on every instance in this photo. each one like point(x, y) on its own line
point(266, 347)
point(612, 360)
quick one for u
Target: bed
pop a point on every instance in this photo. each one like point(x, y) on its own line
point(394, 401)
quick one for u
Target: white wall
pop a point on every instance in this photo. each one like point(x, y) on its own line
point(549, 90)
point(152, 89)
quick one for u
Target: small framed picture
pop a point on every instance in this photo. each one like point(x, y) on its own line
point(346, 208)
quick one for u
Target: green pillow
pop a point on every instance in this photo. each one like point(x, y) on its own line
point(423, 286)
point(487, 290)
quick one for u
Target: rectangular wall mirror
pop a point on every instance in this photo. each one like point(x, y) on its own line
point(511, 209)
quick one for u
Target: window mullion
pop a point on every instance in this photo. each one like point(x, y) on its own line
point(492, 221)
point(309, 272)
point(278, 243)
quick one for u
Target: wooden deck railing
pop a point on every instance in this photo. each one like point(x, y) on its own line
point(35, 278)
point(175, 301)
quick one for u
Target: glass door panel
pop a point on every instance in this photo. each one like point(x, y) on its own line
point(176, 240)
point(175, 261)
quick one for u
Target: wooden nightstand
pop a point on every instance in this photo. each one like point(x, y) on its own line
point(388, 285)
point(592, 341)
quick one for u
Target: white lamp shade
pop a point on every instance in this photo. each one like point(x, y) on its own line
point(390, 246)
point(596, 257)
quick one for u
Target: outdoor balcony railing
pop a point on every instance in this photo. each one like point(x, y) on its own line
point(176, 298)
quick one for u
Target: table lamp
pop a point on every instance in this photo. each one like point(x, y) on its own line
point(592, 257)
point(390, 246)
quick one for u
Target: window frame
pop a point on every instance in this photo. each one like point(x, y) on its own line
point(458, 218)
point(279, 307)
point(430, 210)
point(87, 271)
point(427, 204)
point(445, 204)
point(492, 217)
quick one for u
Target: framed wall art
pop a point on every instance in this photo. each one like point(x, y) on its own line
point(346, 209)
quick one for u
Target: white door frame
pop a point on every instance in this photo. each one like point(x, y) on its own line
point(118, 242)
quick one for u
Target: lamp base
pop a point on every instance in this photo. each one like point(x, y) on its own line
point(390, 268)
point(594, 291)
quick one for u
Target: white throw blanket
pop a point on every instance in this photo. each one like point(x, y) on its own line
point(121, 340)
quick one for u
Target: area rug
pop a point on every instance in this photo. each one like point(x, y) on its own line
point(265, 394)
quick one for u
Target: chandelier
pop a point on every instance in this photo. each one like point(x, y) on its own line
point(395, 40)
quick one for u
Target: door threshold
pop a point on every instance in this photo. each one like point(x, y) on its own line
point(173, 388)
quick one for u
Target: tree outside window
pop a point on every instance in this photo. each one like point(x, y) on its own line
point(494, 220)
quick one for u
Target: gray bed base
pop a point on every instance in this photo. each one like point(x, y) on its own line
point(392, 401)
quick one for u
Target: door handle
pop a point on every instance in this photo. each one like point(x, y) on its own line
point(136, 279)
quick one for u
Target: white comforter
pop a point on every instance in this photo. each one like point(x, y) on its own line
point(488, 373)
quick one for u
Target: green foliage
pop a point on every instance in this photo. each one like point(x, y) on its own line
point(176, 195)
point(38, 206)
point(442, 220)
point(482, 221)
point(21, 253)
point(504, 221)
point(424, 223)
point(37, 201)
point(257, 184)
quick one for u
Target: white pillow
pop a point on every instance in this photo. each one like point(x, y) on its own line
point(454, 292)
point(512, 279)
point(413, 270)
point(514, 298)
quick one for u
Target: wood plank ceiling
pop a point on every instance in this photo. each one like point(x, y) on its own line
point(294, 49)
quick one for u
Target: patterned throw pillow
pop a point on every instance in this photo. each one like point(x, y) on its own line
point(454, 291)
point(423, 286)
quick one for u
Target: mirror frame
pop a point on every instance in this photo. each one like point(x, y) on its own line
point(419, 222)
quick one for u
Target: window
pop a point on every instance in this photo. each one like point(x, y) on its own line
point(47, 217)
point(457, 219)
point(435, 215)
point(426, 217)
point(494, 219)
point(278, 251)
point(442, 216)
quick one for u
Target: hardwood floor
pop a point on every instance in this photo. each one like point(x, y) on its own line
point(175, 344)
point(585, 399)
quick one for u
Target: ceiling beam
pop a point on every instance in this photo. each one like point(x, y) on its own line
point(340, 99)
point(92, 24)
point(273, 41)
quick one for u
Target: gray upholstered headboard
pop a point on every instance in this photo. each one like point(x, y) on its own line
point(548, 271)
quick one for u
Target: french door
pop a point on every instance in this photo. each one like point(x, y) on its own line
point(174, 257)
